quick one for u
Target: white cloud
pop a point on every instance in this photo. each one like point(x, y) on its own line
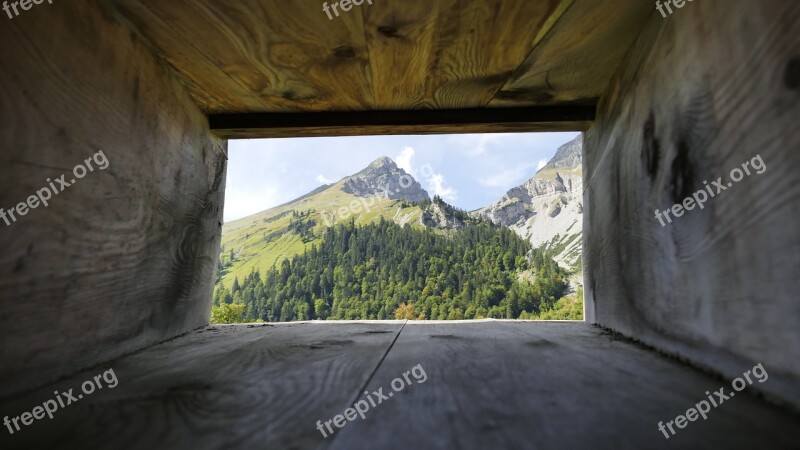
point(438, 185)
point(433, 182)
point(475, 144)
point(542, 163)
point(324, 180)
point(507, 178)
point(404, 159)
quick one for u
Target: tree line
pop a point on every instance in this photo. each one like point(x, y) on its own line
point(385, 271)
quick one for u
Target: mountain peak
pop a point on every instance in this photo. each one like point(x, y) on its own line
point(547, 209)
point(383, 161)
point(383, 178)
point(568, 155)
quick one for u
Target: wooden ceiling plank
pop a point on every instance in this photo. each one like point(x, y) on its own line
point(450, 53)
point(482, 44)
point(402, 43)
point(575, 61)
point(287, 60)
point(217, 92)
point(289, 56)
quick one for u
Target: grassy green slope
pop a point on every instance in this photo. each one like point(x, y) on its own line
point(263, 239)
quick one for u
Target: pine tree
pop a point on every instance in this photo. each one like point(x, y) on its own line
point(374, 271)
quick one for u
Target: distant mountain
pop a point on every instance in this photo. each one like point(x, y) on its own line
point(384, 178)
point(387, 271)
point(381, 190)
point(548, 209)
point(375, 246)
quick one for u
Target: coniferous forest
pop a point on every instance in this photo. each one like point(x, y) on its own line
point(386, 271)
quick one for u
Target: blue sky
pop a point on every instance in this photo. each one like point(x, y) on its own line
point(469, 170)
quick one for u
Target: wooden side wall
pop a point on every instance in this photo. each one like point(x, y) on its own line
point(713, 86)
point(126, 256)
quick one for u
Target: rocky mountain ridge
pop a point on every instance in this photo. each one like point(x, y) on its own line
point(548, 208)
point(381, 190)
point(383, 178)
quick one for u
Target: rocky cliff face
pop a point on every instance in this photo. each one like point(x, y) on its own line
point(547, 209)
point(441, 216)
point(383, 178)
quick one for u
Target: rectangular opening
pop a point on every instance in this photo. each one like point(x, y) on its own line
point(435, 227)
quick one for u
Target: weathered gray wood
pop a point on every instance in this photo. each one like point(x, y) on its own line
point(491, 384)
point(702, 92)
point(520, 385)
point(125, 257)
point(259, 386)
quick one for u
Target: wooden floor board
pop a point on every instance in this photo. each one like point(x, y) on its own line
point(222, 387)
point(509, 385)
point(487, 384)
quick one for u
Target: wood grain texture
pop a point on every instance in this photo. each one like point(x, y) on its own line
point(285, 55)
point(223, 93)
point(404, 51)
point(257, 386)
point(520, 385)
point(490, 384)
point(125, 257)
point(578, 56)
point(278, 56)
point(450, 54)
point(717, 286)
